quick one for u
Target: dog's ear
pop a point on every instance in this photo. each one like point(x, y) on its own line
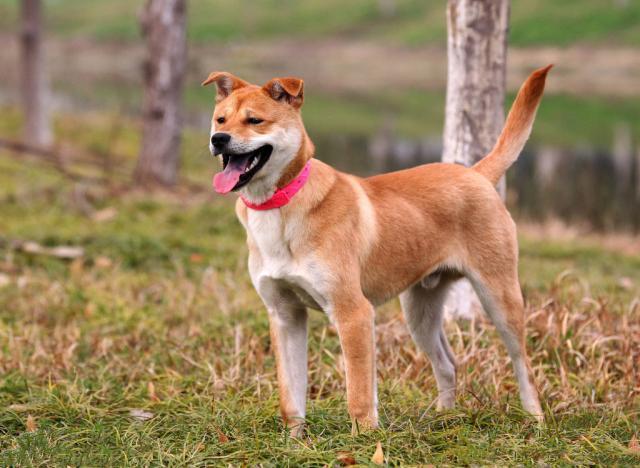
point(225, 82)
point(289, 90)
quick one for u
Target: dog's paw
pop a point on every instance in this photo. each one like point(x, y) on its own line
point(296, 429)
point(539, 417)
point(360, 425)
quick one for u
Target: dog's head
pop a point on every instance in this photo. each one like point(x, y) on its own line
point(258, 134)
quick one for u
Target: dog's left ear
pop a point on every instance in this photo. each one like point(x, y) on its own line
point(225, 82)
point(289, 90)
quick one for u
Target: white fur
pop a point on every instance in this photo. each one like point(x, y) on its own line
point(286, 286)
point(285, 142)
point(423, 309)
point(528, 394)
point(273, 261)
point(367, 218)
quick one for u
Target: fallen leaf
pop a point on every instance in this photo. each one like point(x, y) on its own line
point(196, 258)
point(151, 390)
point(222, 437)
point(31, 424)
point(89, 309)
point(625, 282)
point(66, 251)
point(18, 407)
point(76, 267)
point(346, 459)
point(103, 262)
point(4, 280)
point(31, 247)
point(140, 415)
point(106, 214)
point(634, 445)
point(378, 455)
point(60, 251)
point(22, 281)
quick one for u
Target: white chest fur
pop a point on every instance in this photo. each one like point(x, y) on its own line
point(273, 263)
point(267, 230)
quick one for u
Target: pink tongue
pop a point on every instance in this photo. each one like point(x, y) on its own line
point(224, 181)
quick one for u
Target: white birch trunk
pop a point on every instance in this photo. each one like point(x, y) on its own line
point(164, 27)
point(474, 114)
point(37, 125)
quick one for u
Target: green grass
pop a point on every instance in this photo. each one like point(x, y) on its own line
point(540, 22)
point(186, 431)
point(545, 261)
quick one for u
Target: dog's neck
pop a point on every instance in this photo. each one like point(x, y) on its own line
point(283, 195)
point(262, 190)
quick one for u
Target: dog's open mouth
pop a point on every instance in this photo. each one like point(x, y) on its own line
point(239, 169)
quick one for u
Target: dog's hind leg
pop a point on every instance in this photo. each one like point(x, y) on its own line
point(500, 295)
point(423, 308)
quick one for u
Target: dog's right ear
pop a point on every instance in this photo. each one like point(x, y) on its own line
point(290, 90)
point(225, 82)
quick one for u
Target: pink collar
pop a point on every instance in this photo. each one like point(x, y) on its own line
point(284, 195)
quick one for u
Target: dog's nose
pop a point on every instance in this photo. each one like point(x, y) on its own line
point(219, 141)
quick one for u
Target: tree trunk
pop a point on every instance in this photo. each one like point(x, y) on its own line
point(37, 128)
point(164, 28)
point(474, 114)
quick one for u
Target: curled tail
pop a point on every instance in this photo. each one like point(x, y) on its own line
point(516, 129)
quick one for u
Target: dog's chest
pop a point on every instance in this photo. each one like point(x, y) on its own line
point(274, 260)
point(271, 239)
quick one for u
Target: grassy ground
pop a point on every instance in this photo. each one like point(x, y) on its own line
point(540, 22)
point(153, 348)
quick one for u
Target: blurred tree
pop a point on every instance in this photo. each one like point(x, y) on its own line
point(477, 55)
point(37, 128)
point(387, 8)
point(164, 28)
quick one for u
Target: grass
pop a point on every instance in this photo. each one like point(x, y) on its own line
point(541, 22)
point(152, 348)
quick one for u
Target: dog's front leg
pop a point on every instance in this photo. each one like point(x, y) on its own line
point(354, 319)
point(288, 326)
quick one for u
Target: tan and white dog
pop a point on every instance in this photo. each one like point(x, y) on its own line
point(343, 244)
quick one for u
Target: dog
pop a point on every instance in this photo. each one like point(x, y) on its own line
point(322, 239)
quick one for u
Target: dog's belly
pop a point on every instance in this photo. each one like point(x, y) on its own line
point(307, 294)
point(306, 298)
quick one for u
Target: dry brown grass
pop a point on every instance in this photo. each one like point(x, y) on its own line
point(584, 350)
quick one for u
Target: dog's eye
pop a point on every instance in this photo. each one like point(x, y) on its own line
point(220, 120)
point(254, 120)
